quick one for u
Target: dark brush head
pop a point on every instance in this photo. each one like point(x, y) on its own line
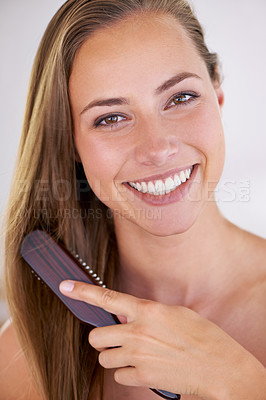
point(52, 263)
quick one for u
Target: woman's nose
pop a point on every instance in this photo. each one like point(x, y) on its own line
point(156, 145)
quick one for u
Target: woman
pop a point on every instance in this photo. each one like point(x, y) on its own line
point(127, 93)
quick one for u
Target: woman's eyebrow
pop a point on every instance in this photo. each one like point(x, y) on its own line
point(106, 102)
point(118, 101)
point(175, 80)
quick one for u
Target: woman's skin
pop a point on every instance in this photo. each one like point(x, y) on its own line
point(201, 329)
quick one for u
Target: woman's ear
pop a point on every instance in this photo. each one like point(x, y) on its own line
point(220, 96)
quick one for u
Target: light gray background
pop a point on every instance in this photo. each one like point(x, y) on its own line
point(234, 28)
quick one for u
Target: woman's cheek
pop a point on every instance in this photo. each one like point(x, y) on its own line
point(101, 162)
point(208, 131)
point(214, 145)
point(207, 137)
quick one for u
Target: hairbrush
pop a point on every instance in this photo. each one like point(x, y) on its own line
point(52, 263)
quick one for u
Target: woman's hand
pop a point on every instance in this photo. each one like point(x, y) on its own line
point(170, 348)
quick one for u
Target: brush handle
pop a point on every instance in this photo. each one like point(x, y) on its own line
point(52, 263)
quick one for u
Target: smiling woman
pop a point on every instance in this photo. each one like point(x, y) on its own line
point(147, 117)
point(124, 118)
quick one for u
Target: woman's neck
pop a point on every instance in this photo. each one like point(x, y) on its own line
point(185, 269)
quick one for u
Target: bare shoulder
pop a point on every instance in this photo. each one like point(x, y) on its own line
point(15, 381)
point(248, 301)
point(249, 254)
point(256, 243)
point(256, 258)
point(253, 260)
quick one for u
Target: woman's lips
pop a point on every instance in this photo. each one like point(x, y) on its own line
point(168, 198)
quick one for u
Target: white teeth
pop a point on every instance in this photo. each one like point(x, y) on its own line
point(160, 187)
point(183, 177)
point(177, 180)
point(151, 188)
point(169, 185)
point(139, 187)
point(144, 187)
point(163, 190)
point(187, 173)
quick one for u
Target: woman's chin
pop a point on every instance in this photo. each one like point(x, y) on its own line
point(159, 225)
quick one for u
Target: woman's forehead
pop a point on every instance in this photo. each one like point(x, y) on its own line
point(138, 35)
point(141, 48)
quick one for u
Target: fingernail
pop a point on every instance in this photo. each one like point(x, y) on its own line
point(67, 286)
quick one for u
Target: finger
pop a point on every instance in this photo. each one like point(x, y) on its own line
point(110, 300)
point(128, 376)
point(122, 319)
point(114, 358)
point(107, 337)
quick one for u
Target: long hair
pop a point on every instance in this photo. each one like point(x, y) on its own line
point(50, 192)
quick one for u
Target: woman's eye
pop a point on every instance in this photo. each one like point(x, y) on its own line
point(182, 99)
point(109, 120)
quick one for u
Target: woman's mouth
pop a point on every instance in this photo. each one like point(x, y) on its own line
point(163, 186)
point(167, 190)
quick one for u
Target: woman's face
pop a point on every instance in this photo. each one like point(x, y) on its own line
point(145, 115)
